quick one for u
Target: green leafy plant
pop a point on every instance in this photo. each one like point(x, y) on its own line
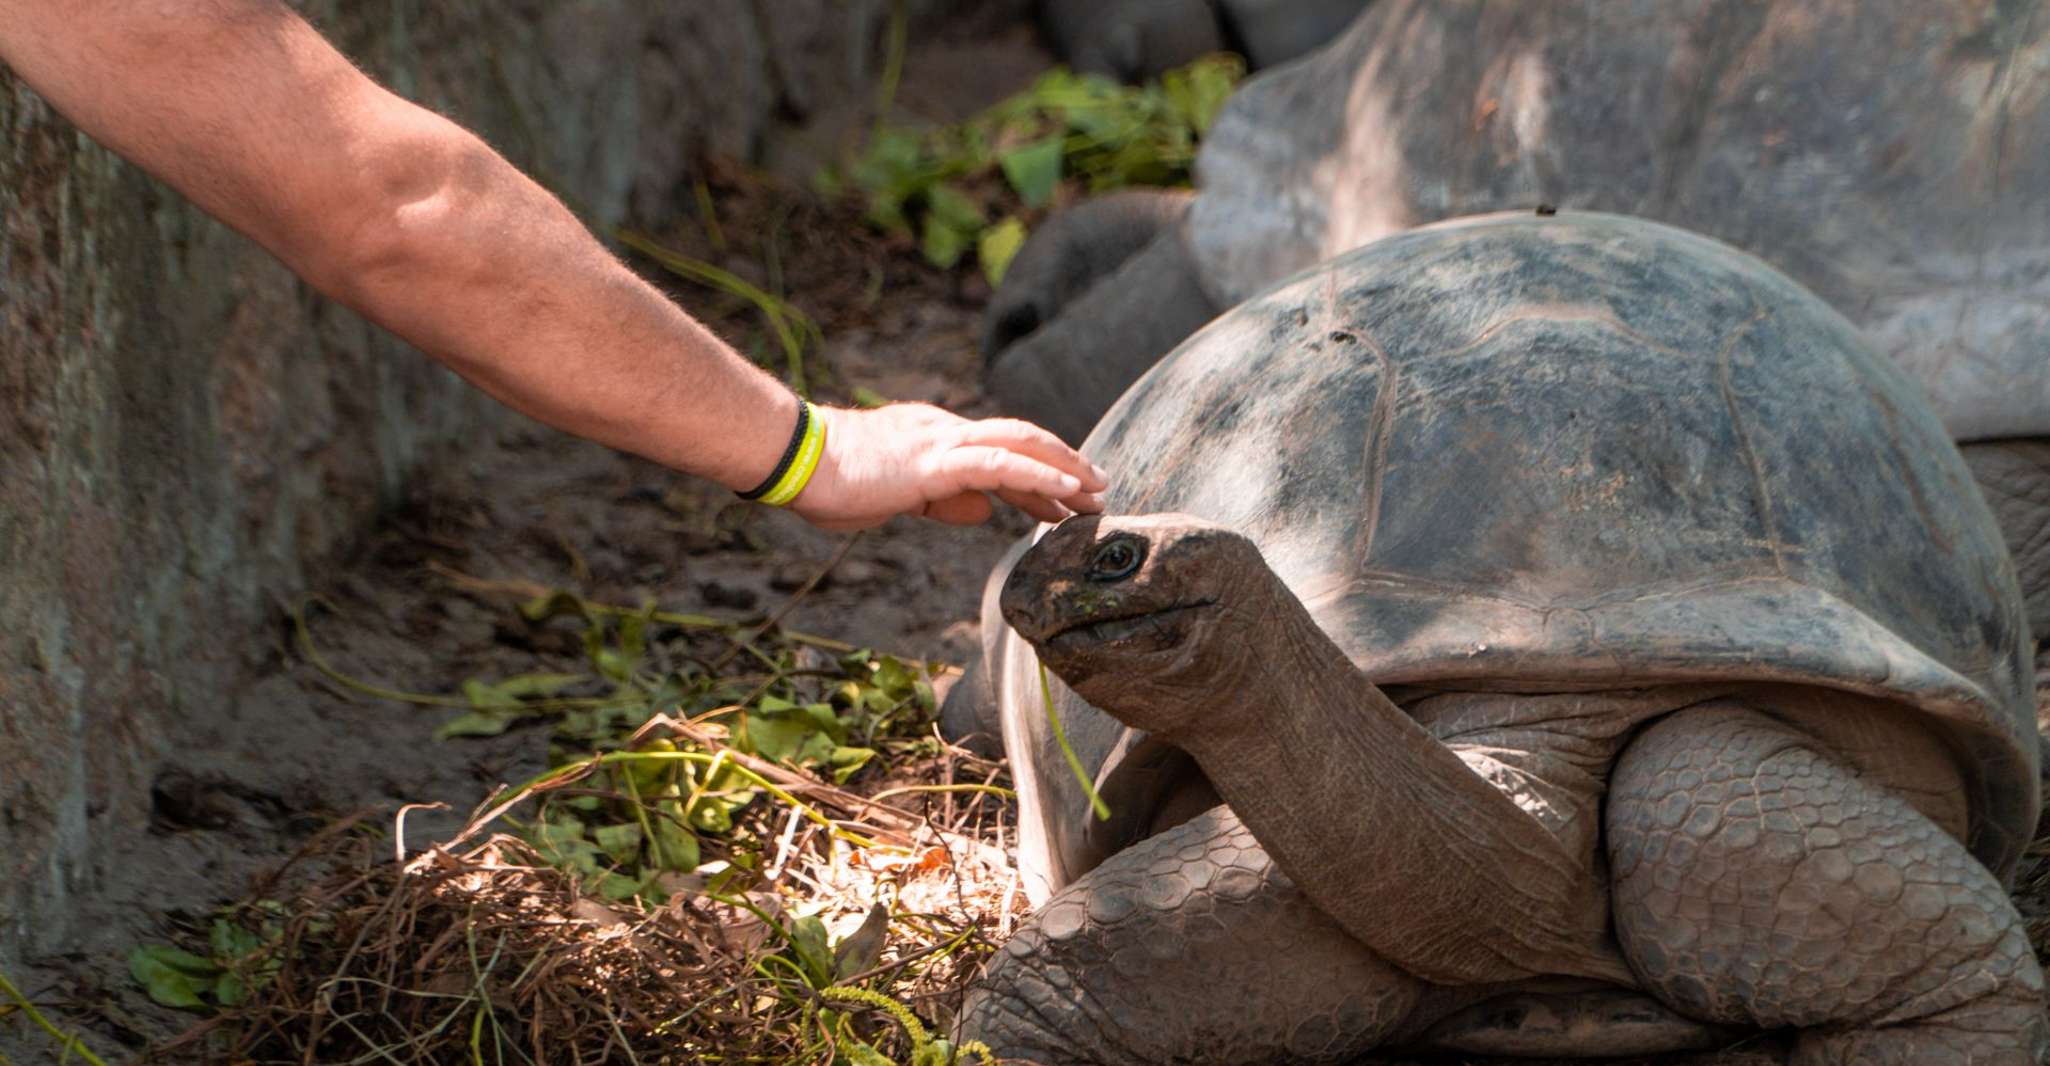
point(702, 768)
point(971, 187)
point(237, 959)
point(655, 799)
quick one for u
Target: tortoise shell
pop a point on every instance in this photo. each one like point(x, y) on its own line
point(1549, 453)
point(1891, 155)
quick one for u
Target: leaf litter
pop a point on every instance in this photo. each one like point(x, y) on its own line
point(751, 846)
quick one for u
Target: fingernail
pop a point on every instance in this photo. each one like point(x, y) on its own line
point(1069, 485)
point(1100, 475)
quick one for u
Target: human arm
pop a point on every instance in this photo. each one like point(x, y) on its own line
point(395, 211)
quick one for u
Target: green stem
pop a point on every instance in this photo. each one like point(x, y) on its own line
point(422, 699)
point(1060, 737)
point(68, 1041)
point(994, 790)
point(893, 64)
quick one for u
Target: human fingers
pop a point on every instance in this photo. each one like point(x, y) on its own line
point(1025, 438)
point(1083, 503)
point(967, 509)
point(1033, 504)
point(993, 469)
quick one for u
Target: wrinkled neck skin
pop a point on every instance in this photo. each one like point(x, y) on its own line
point(1198, 684)
point(1385, 828)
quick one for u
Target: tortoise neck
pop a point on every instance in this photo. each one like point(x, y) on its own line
point(1385, 828)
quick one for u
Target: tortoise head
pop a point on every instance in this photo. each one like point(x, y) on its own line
point(1144, 616)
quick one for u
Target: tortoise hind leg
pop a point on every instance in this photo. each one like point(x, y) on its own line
point(1761, 880)
point(1187, 947)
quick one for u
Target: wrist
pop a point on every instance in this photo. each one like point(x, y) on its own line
point(758, 441)
point(796, 464)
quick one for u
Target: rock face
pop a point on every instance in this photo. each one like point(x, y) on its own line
point(187, 431)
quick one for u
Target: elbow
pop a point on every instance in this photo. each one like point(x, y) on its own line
point(405, 224)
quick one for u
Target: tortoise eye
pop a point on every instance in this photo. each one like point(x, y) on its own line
point(1116, 559)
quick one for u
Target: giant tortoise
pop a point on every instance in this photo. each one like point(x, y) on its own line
point(1891, 155)
point(1546, 635)
point(1134, 40)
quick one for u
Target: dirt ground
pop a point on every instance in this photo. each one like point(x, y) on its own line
point(290, 751)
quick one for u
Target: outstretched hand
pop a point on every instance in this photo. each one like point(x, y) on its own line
point(916, 459)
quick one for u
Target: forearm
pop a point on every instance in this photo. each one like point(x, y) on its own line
point(486, 271)
point(401, 214)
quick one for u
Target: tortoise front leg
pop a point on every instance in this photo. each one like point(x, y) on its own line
point(1760, 880)
point(1187, 947)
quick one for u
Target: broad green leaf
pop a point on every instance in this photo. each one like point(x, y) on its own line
point(861, 1054)
point(528, 686)
point(891, 155)
point(808, 943)
point(847, 762)
point(229, 941)
point(775, 737)
point(892, 676)
point(997, 246)
point(676, 848)
point(178, 959)
point(485, 697)
point(650, 775)
point(621, 843)
point(955, 208)
point(886, 212)
point(172, 977)
point(788, 732)
point(476, 724)
point(824, 720)
point(943, 245)
point(614, 887)
point(1034, 170)
point(859, 661)
point(714, 814)
point(1199, 90)
point(562, 844)
point(228, 990)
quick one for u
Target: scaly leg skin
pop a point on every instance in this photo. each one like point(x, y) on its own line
point(1190, 946)
point(1760, 881)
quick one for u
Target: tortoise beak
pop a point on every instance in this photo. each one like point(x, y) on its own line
point(1045, 577)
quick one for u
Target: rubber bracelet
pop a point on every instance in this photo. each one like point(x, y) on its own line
point(809, 452)
point(789, 453)
point(800, 459)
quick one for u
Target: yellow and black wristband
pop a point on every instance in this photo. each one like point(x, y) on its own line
point(800, 459)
